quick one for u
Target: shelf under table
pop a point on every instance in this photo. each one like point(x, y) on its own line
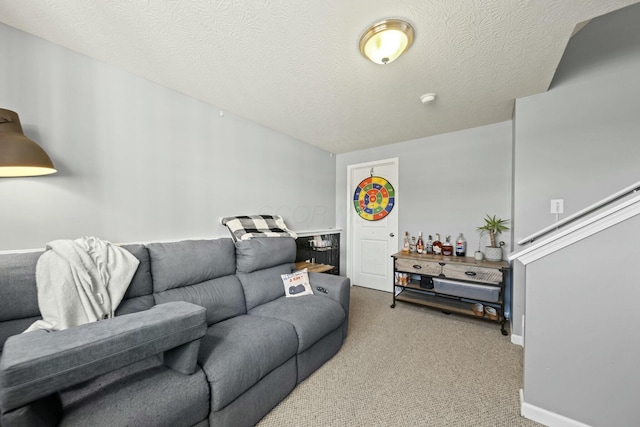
point(442, 303)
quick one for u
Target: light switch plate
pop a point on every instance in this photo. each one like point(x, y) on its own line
point(557, 206)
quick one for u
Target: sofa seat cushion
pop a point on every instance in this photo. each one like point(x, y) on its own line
point(237, 353)
point(145, 393)
point(313, 316)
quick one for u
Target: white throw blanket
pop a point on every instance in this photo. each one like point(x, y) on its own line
point(81, 281)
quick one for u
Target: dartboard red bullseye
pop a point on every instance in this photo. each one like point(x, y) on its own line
point(374, 198)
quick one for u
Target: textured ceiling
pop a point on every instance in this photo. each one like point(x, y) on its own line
point(295, 66)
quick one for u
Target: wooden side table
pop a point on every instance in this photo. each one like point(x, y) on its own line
point(314, 268)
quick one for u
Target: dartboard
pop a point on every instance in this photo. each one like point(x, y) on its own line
point(374, 198)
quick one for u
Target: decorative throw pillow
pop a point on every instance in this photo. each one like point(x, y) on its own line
point(296, 284)
point(249, 226)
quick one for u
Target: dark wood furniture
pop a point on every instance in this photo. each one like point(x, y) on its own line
point(320, 251)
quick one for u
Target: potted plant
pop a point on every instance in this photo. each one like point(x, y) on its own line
point(493, 226)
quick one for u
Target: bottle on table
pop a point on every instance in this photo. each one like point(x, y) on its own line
point(428, 247)
point(405, 246)
point(437, 245)
point(412, 245)
point(447, 247)
point(461, 246)
point(420, 244)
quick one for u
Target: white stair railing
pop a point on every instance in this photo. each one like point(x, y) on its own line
point(606, 218)
point(582, 213)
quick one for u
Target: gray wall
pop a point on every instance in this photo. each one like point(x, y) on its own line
point(447, 183)
point(579, 140)
point(140, 162)
point(581, 352)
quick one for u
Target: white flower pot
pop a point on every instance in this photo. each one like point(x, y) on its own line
point(493, 254)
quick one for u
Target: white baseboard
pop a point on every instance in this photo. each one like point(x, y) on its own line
point(517, 339)
point(545, 417)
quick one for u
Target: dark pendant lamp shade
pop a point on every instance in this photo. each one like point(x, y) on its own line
point(20, 156)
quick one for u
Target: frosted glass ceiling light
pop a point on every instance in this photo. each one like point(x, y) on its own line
point(20, 156)
point(385, 41)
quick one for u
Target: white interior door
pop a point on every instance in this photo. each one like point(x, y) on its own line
point(372, 241)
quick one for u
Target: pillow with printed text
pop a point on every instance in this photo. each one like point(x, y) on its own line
point(296, 284)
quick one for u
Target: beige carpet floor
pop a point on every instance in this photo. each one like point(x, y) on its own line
point(410, 366)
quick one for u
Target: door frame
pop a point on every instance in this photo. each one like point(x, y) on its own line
point(351, 212)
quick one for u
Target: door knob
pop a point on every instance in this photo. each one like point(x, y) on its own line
point(392, 235)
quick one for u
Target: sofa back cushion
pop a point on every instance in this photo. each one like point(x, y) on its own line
point(200, 272)
point(139, 295)
point(261, 261)
point(19, 292)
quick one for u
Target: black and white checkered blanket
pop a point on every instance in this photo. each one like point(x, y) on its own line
point(249, 226)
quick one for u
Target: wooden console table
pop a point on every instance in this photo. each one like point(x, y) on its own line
point(452, 284)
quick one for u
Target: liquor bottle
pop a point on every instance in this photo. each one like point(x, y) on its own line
point(428, 247)
point(405, 247)
point(412, 245)
point(447, 247)
point(437, 245)
point(420, 244)
point(461, 246)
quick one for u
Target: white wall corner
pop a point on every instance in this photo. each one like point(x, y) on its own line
point(545, 417)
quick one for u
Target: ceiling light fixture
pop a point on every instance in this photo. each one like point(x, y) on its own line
point(385, 41)
point(20, 156)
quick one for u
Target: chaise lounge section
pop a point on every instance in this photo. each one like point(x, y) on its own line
point(244, 347)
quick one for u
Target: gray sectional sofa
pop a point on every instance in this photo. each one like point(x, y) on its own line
point(204, 336)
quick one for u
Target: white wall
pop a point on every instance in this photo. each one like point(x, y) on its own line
point(447, 183)
point(579, 140)
point(140, 162)
point(581, 353)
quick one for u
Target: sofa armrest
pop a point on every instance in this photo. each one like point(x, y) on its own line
point(37, 364)
point(336, 287)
